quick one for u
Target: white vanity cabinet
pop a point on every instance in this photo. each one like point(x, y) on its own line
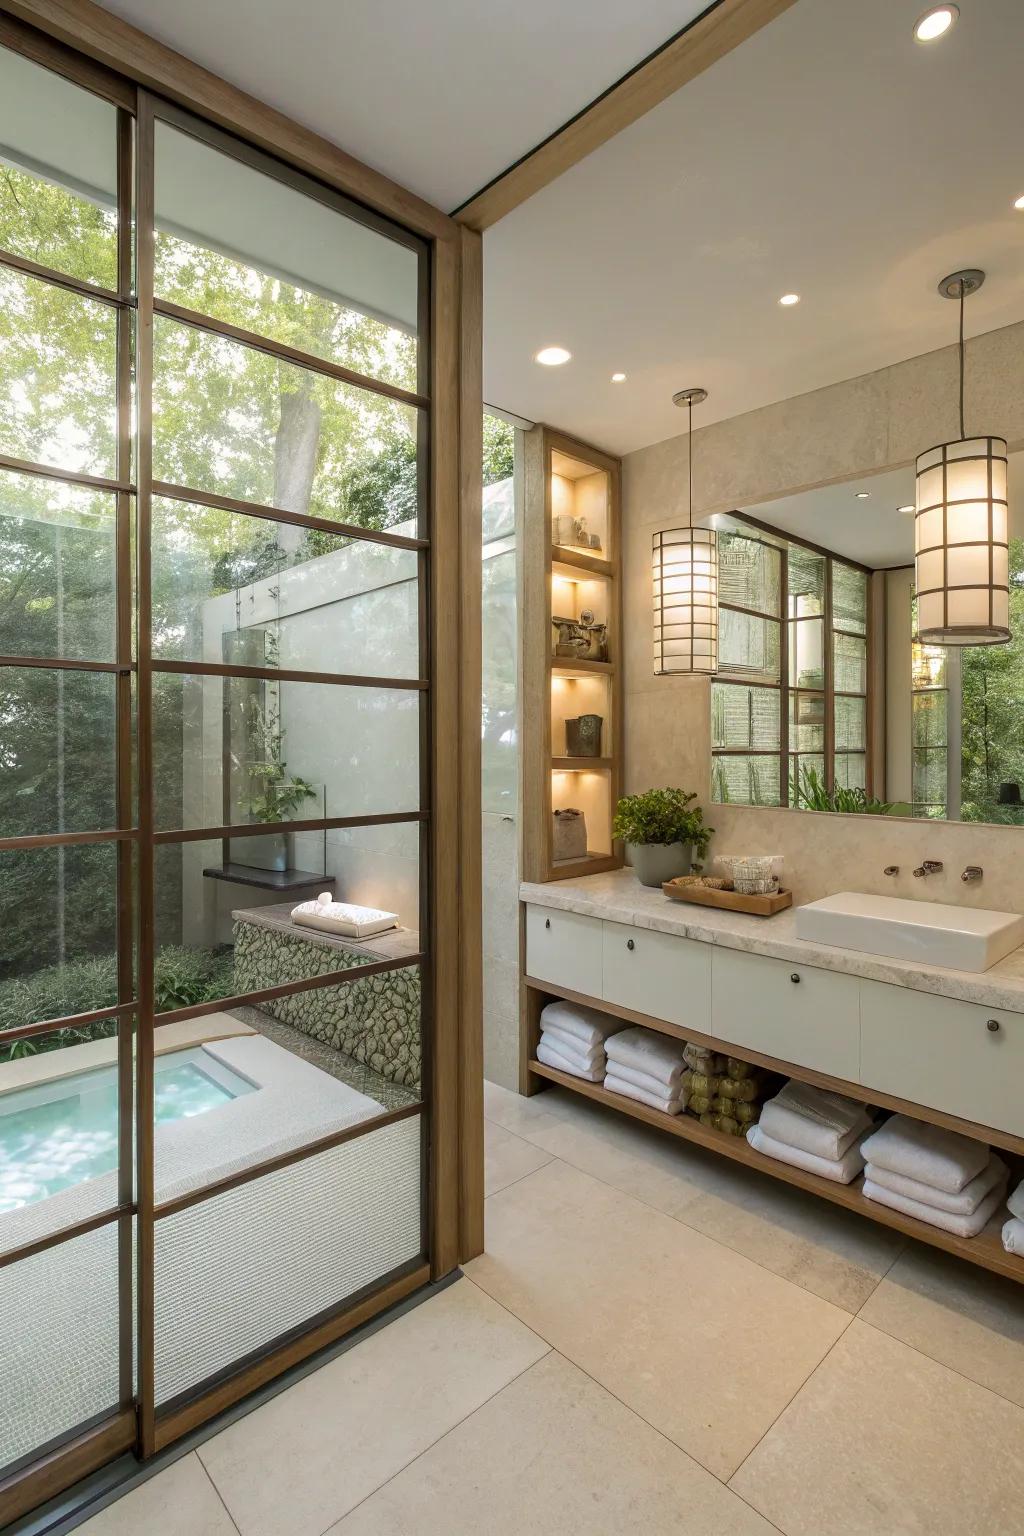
point(564, 948)
point(950, 1055)
point(657, 973)
point(798, 1013)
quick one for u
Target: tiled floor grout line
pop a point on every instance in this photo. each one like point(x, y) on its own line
point(336, 1525)
point(213, 1485)
point(552, 1157)
point(901, 1250)
point(944, 1365)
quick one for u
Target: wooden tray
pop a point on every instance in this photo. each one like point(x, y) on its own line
point(729, 901)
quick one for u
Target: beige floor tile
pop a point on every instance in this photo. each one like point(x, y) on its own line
point(884, 1442)
point(180, 1501)
point(834, 1253)
point(508, 1157)
point(963, 1317)
point(516, 1113)
point(553, 1454)
point(700, 1342)
point(304, 1459)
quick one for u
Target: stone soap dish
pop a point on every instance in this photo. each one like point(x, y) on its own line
point(703, 895)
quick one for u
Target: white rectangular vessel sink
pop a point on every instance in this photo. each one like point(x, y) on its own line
point(961, 938)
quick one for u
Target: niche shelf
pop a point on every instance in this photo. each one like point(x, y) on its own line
point(572, 567)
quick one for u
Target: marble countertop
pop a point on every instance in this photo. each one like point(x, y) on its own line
point(620, 898)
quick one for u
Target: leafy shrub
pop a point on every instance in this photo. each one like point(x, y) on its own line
point(662, 816)
point(813, 796)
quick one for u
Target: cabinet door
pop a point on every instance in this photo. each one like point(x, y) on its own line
point(564, 948)
point(659, 974)
point(796, 1012)
point(943, 1053)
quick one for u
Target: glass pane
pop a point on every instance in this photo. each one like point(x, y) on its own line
point(807, 722)
point(850, 660)
point(57, 376)
point(237, 1271)
point(240, 423)
point(245, 247)
point(930, 781)
point(57, 570)
point(805, 574)
point(850, 724)
point(246, 591)
point(749, 574)
point(499, 632)
point(236, 749)
point(744, 717)
point(851, 771)
point(747, 645)
point(807, 783)
point(929, 717)
point(58, 173)
point(58, 952)
point(746, 780)
point(928, 666)
point(59, 1306)
point(225, 928)
point(806, 654)
point(849, 598)
point(57, 763)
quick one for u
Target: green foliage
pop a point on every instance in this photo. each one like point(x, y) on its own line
point(813, 796)
point(499, 450)
point(662, 816)
point(992, 709)
point(273, 795)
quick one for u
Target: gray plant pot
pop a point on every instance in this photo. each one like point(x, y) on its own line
point(654, 863)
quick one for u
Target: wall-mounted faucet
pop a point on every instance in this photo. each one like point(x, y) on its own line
point(972, 872)
point(891, 869)
point(927, 867)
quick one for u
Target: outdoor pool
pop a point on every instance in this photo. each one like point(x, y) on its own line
point(60, 1133)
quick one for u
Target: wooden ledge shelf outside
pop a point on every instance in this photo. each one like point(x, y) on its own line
point(268, 879)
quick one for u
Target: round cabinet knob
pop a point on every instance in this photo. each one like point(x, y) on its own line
point(992, 1025)
point(630, 944)
point(795, 976)
point(547, 922)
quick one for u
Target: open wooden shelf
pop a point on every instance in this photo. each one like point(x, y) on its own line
point(593, 565)
point(566, 668)
point(986, 1249)
point(268, 879)
point(580, 764)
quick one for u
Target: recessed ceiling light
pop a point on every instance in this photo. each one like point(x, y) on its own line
point(1018, 202)
point(907, 507)
point(862, 495)
point(618, 378)
point(789, 299)
point(935, 22)
point(552, 357)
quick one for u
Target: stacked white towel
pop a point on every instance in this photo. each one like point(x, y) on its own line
point(648, 1067)
point(1013, 1231)
point(935, 1175)
point(572, 1039)
point(811, 1129)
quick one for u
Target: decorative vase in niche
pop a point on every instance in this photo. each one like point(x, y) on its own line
point(654, 863)
point(583, 736)
point(569, 835)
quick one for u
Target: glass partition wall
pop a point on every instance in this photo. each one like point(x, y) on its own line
point(214, 648)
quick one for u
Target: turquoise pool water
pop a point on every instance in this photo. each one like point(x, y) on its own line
point(60, 1133)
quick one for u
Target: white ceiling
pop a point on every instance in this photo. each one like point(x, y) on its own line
point(441, 96)
point(831, 155)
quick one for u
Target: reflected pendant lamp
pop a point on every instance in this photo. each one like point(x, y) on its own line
point(685, 571)
point(961, 528)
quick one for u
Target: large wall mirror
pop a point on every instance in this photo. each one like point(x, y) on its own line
point(827, 697)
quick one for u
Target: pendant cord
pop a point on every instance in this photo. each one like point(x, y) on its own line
point(689, 464)
point(963, 433)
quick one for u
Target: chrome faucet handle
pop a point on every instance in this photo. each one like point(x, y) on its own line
point(891, 869)
point(927, 867)
point(972, 872)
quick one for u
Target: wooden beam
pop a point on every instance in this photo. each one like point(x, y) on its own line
point(471, 1054)
point(121, 47)
point(707, 39)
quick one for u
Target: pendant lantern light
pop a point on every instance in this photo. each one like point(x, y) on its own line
point(961, 527)
point(685, 570)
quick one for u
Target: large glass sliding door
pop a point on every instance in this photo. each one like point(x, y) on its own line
point(214, 656)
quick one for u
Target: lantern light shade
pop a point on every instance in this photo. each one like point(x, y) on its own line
point(686, 600)
point(961, 544)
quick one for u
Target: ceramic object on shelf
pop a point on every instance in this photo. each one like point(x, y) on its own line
point(569, 835)
point(583, 736)
point(656, 863)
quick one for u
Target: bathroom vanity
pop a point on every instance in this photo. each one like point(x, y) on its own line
point(942, 1045)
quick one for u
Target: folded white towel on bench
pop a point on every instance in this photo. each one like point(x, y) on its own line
point(1013, 1236)
point(841, 1170)
point(813, 1120)
point(646, 1051)
point(669, 1104)
point(942, 1159)
point(342, 917)
point(963, 1204)
point(960, 1226)
point(650, 1084)
point(1015, 1202)
point(587, 1025)
point(572, 1064)
point(573, 1047)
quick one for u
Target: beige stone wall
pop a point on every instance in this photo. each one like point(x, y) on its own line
point(877, 422)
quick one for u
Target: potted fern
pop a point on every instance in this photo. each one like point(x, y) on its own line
point(273, 794)
point(664, 833)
